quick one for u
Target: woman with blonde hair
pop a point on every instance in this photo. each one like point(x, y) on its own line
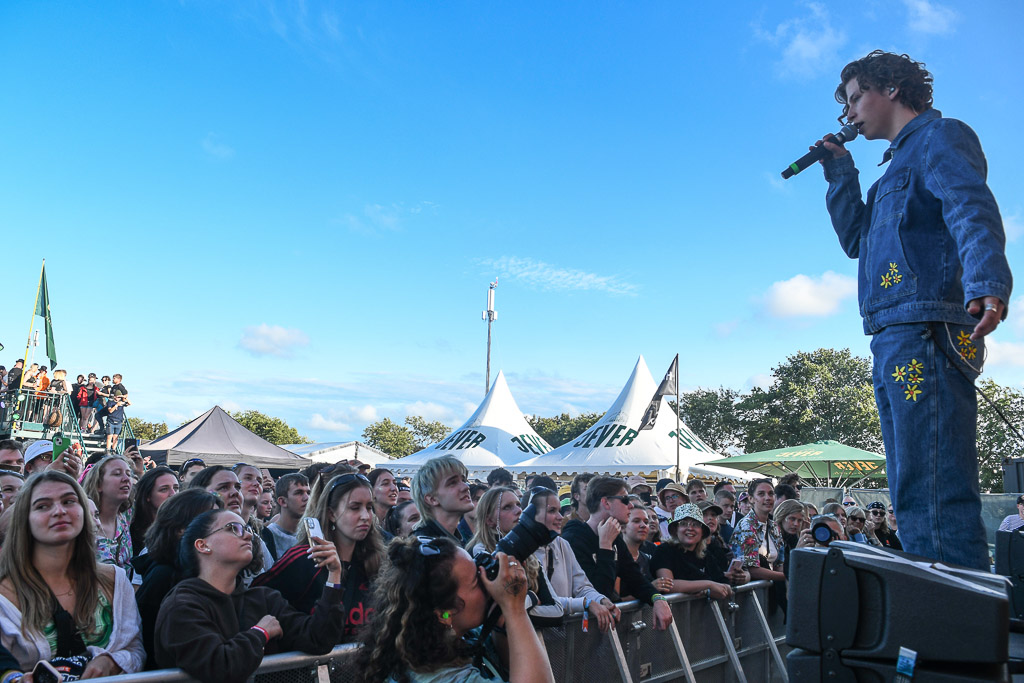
point(109, 485)
point(344, 508)
point(56, 601)
point(683, 558)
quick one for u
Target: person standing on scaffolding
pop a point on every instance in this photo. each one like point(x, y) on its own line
point(933, 281)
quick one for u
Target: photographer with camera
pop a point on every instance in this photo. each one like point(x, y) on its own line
point(603, 555)
point(823, 530)
point(430, 596)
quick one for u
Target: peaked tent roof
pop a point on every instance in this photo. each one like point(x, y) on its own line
point(495, 435)
point(615, 446)
point(219, 439)
point(339, 450)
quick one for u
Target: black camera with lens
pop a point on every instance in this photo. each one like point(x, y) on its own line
point(524, 539)
point(821, 532)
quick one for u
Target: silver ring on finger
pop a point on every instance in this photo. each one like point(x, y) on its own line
point(991, 307)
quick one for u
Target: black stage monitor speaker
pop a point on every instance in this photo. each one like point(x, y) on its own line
point(1013, 475)
point(854, 609)
point(1010, 563)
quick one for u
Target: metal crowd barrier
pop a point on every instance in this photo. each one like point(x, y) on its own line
point(708, 642)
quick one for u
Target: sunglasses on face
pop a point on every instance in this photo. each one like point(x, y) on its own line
point(849, 504)
point(877, 513)
point(235, 528)
point(858, 519)
point(622, 499)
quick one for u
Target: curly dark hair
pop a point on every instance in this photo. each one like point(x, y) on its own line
point(881, 70)
point(404, 632)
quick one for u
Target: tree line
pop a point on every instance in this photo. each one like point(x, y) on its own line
point(812, 396)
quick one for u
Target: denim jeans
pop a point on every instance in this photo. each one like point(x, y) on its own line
point(929, 411)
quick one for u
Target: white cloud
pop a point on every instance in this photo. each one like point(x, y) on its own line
point(1003, 353)
point(763, 380)
point(810, 44)
point(318, 421)
point(802, 295)
point(215, 148)
point(547, 277)
point(382, 218)
point(272, 340)
point(429, 411)
point(929, 17)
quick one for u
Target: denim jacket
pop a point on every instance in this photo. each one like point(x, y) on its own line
point(929, 238)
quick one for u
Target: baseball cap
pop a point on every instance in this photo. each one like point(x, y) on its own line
point(38, 448)
point(635, 481)
point(704, 505)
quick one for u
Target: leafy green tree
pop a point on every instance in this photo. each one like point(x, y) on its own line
point(995, 440)
point(394, 439)
point(425, 433)
point(711, 414)
point(823, 394)
point(147, 430)
point(561, 429)
point(273, 429)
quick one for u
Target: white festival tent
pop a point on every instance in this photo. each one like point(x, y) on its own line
point(336, 451)
point(615, 446)
point(496, 435)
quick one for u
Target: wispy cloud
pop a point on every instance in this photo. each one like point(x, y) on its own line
point(546, 277)
point(272, 340)
point(383, 218)
point(1003, 353)
point(803, 295)
point(213, 147)
point(810, 44)
point(929, 17)
point(1014, 226)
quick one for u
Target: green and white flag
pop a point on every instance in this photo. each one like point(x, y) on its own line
point(43, 309)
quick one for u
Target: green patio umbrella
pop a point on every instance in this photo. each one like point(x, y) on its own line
point(826, 463)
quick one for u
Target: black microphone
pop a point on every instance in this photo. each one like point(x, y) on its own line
point(845, 135)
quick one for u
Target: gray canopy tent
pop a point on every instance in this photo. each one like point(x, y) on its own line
point(219, 439)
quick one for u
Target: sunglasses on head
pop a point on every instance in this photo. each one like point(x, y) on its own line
point(189, 463)
point(343, 479)
point(427, 546)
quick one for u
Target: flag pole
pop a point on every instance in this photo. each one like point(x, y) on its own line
point(31, 326)
point(679, 474)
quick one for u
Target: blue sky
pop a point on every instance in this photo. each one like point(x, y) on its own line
point(296, 207)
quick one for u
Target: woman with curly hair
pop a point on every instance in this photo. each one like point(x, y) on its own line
point(343, 505)
point(56, 601)
point(431, 595)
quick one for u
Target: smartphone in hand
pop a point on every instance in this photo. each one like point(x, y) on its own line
point(45, 673)
point(313, 527)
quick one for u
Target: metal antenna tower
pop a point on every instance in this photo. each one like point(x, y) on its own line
point(490, 315)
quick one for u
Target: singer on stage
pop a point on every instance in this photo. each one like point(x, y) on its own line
point(933, 281)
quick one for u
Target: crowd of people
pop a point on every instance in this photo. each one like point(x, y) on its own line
point(117, 565)
point(99, 402)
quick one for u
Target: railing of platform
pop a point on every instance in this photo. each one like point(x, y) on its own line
point(708, 642)
point(38, 415)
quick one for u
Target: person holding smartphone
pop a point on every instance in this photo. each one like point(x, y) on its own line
point(219, 632)
point(340, 516)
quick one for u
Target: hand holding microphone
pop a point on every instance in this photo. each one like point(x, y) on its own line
point(819, 151)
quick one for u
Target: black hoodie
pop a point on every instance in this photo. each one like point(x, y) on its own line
point(209, 633)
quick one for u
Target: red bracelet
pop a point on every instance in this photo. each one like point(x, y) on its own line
point(263, 631)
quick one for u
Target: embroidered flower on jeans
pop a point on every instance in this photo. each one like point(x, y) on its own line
point(912, 392)
point(886, 281)
point(916, 366)
point(900, 375)
point(963, 339)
